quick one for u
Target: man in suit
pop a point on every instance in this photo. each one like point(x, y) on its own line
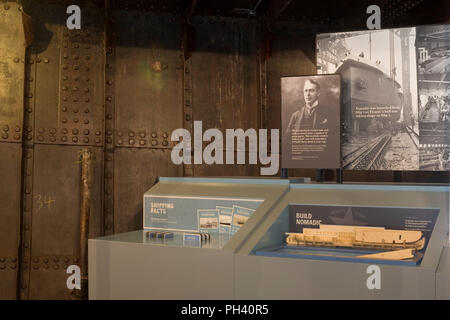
point(311, 115)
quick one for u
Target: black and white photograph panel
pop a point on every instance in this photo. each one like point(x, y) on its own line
point(433, 65)
point(310, 119)
point(379, 111)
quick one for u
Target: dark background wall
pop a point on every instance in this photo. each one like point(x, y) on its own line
point(118, 87)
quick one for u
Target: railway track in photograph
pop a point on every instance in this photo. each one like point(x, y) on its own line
point(367, 156)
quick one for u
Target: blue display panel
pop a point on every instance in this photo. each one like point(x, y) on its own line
point(201, 214)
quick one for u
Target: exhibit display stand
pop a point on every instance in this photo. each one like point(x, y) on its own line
point(132, 266)
point(264, 273)
point(250, 259)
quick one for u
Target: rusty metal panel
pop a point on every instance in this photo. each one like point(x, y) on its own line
point(136, 171)
point(69, 79)
point(148, 78)
point(10, 193)
point(225, 73)
point(56, 216)
point(12, 72)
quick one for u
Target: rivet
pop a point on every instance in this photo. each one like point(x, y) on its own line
point(75, 120)
point(119, 141)
point(109, 116)
point(86, 90)
point(98, 132)
point(64, 130)
point(131, 134)
point(75, 88)
point(75, 139)
point(29, 110)
point(108, 132)
point(5, 127)
point(35, 267)
point(65, 67)
point(64, 99)
point(63, 139)
point(108, 140)
point(165, 143)
point(66, 260)
point(154, 142)
point(13, 260)
point(97, 140)
point(29, 129)
point(165, 135)
point(86, 140)
point(2, 260)
point(76, 67)
point(52, 139)
point(26, 245)
point(52, 131)
point(109, 82)
point(6, 7)
point(188, 117)
point(27, 191)
point(75, 110)
point(154, 135)
point(76, 45)
point(41, 130)
point(64, 88)
point(131, 141)
point(65, 56)
point(76, 100)
point(29, 155)
point(13, 266)
point(45, 260)
point(88, 58)
point(2, 267)
point(64, 120)
point(108, 158)
point(64, 109)
point(31, 79)
point(120, 133)
point(26, 226)
point(109, 98)
point(30, 95)
point(86, 121)
point(16, 60)
point(46, 60)
point(17, 136)
point(86, 132)
point(31, 61)
point(40, 138)
point(142, 142)
point(87, 79)
point(87, 99)
point(75, 131)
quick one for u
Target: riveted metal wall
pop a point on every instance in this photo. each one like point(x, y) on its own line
point(12, 72)
point(144, 90)
point(225, 82)
point(64, 113)
point(56, 216)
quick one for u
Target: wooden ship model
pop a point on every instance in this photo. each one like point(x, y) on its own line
point(403, 243)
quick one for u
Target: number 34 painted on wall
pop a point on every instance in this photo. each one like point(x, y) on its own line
point(43, 201)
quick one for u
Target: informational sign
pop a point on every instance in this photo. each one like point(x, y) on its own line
point(310, 119)
point(390, 218)
point(395, 105)
point(199, 214)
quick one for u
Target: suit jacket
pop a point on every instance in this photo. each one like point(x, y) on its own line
point(321, 118)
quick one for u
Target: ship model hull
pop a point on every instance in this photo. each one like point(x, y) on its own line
point(357, 237)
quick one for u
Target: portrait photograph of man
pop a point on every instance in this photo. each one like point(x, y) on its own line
point(310, 119)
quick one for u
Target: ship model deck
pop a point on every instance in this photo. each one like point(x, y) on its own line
point(401, 241)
